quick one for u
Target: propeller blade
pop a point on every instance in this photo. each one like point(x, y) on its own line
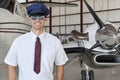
point(53, 4)
point(98, 20)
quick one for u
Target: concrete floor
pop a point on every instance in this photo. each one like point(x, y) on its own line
point(72, 72)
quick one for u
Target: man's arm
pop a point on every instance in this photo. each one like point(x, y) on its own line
point(11, 72)
point(60, 72)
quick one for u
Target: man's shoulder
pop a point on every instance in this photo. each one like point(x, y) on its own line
point(54, 42)
point(23, 36)
point(51, 36)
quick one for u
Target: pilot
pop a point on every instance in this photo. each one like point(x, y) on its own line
point(36, 52)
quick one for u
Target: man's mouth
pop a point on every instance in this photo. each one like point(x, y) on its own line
point(37, 24)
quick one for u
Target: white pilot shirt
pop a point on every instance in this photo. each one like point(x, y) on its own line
point(21, 54)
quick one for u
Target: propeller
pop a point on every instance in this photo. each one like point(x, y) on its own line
point(98, 20)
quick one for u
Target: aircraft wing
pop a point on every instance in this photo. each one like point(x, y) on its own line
point(53, 4)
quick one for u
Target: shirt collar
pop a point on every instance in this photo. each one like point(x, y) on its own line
point(41, 36)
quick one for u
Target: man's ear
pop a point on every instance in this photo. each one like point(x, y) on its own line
point(46, 19)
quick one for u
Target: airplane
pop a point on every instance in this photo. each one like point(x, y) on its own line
point(101, 46)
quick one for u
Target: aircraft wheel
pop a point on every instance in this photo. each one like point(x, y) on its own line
point(83, 75)
point(91, 75)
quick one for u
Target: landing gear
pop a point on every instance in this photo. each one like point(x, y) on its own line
point(91, 75)
point(87, 75)
point(83, 75)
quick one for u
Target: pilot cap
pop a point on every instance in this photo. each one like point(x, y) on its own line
point(37, 8)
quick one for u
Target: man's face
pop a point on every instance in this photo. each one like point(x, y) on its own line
point(38, 22)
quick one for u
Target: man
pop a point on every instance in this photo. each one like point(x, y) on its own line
point(35, 52)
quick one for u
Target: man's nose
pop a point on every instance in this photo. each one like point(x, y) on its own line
point(37, 18)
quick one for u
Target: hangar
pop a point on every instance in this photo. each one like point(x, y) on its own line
point(72, 21)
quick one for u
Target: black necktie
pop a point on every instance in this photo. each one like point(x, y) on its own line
point(37, 58)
